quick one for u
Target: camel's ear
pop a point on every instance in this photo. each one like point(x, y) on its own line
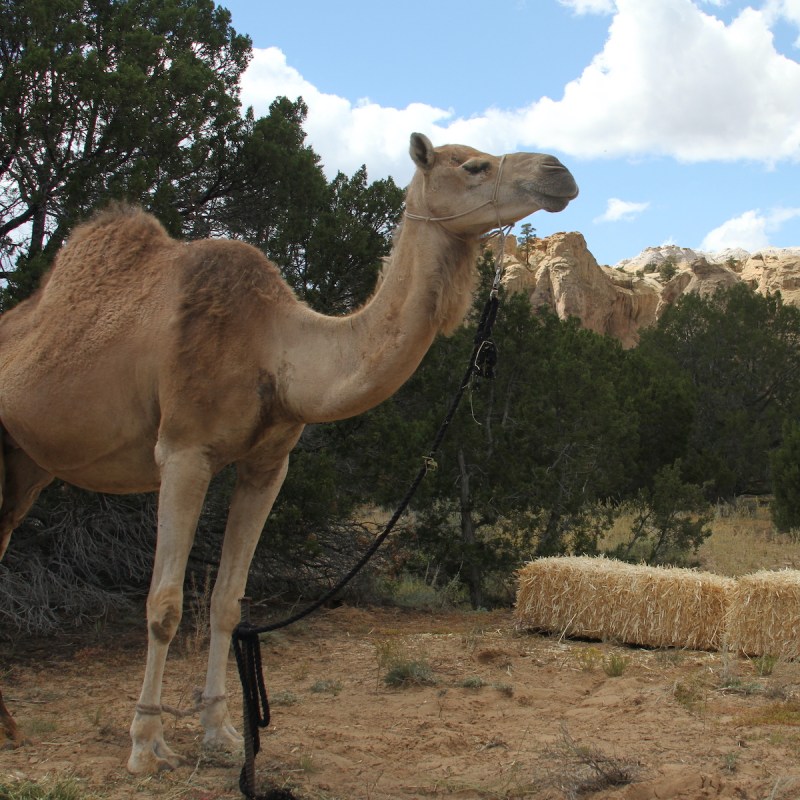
point(422, 151)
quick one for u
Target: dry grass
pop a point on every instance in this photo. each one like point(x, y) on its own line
point(743, 540)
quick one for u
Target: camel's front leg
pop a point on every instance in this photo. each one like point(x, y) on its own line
point(252, 501)
point(185, 476)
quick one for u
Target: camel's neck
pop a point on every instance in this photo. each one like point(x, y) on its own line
point(337, 367)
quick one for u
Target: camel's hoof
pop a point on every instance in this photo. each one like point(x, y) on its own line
point(153, 757)
point(225, 738)
point(12, 742)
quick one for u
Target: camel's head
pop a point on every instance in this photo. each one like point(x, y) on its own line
point(470, 193)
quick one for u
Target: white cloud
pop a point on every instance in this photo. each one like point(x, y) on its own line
point(589, 6)
point(786, 10)
point(672, 80)
point(677, 81)
point(749, 230)
point(621, 210)
point(345, 134)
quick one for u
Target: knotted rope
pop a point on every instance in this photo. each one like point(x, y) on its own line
point(201, 703)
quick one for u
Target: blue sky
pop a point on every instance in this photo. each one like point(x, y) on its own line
point(680, 119)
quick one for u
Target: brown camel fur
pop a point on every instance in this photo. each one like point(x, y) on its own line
point(145, 363)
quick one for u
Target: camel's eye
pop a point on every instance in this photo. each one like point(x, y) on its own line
point(475, 166)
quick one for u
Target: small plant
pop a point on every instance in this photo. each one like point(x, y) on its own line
point(409, 673)
point(504, 689)
point(739, 686)
point(387, 652)
point(588, 770)
point(730, 761)
point(411, 591)
point(765, 665)
point(689, 695)
point(327, 687)
point(667, 270)
point(615, 665)
point(306, 764)
point(283, 698)
point(97, 720)
point(472, 638)
point(588, 658)
point(728, 672)
point(472, 682)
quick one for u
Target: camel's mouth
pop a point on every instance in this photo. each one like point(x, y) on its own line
point(558, 191)
point(554, 202)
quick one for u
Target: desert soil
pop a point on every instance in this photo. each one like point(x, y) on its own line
point(510, 715)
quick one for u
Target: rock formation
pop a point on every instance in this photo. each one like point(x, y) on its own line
point(560, 273)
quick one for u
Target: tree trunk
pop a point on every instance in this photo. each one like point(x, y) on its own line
point(472, 569)
point(550, 540)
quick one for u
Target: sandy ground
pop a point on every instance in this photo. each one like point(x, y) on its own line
point(508, 715)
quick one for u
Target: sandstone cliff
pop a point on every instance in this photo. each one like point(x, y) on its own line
point(559, 272)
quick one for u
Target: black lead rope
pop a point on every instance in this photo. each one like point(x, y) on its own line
point(246, 646)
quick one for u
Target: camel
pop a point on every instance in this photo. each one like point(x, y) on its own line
point(145, 363)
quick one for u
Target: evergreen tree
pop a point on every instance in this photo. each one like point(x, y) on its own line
point(738, 351)
point(785, 463)
point(100, 99)
point(670, 519)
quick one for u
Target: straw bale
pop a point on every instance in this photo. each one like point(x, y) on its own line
point(764, 614)
point(601, 598)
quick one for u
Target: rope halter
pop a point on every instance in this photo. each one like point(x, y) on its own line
point(490, 202)
point(500, 230)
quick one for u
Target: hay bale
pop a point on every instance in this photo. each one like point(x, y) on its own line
point(764, 614)
point(601, 598)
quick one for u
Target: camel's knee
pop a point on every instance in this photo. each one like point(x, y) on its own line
point(225, 610)
point(164, 609)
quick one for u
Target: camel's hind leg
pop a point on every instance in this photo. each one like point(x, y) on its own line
point(21, 480)
point(8, 726)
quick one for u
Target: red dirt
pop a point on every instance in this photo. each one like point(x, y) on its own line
point(509, 716)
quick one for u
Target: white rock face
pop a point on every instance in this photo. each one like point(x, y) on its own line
point(559, 272)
